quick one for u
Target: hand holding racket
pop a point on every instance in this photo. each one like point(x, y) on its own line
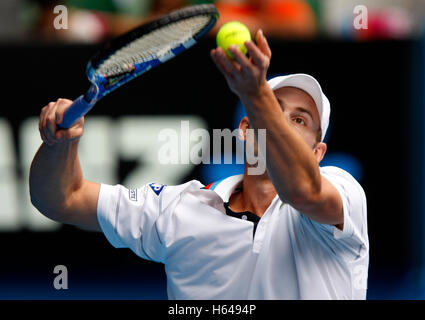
point(138, 51)
point(53, 114)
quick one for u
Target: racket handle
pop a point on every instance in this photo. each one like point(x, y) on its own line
point(77, 110)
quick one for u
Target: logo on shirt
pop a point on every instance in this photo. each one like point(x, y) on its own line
point(132, 194)
point(157, 188)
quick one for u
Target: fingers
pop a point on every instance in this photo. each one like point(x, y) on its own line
point(243, 74)
point(224, 64)
point(45, 125)
point(258, 58)
point(231, 68)
point(50, 116)
point(240, 57)
point(63, 105)
point(217, 61)
point(50, 125)
point(42, 121)
point(262, 44)
point(72, 133)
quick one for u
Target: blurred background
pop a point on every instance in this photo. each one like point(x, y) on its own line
point(368, 56)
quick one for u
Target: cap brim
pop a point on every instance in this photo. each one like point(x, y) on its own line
point(301, 81)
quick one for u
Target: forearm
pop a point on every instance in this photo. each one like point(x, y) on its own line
point(290, 162)
point(55, 173)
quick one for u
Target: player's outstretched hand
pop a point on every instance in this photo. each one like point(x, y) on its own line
point(51, 116)
point(245, 76)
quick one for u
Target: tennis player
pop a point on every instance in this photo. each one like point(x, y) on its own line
point(298, 231)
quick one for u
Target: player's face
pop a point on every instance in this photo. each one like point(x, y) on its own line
point(301, 112)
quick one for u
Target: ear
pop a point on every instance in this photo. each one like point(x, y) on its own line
point(319, 151)
point(243, 125)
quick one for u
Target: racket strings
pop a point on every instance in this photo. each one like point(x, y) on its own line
point(153, 45)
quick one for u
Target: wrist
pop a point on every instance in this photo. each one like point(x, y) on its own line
point(62, 147)
point(259, 91)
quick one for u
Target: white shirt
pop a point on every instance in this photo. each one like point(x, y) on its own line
point(210, 255)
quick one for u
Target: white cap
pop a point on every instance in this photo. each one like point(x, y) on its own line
point(312, 87)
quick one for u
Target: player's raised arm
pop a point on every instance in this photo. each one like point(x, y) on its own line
point(292, 164)
point(57, 187)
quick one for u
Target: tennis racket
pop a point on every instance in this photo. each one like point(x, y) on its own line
point(140, 50)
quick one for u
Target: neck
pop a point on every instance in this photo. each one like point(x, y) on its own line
point(256, 195)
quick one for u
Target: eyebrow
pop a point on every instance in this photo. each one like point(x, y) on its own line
point(299, 109)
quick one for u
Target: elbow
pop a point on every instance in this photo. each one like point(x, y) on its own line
point(46, 206)
point(49, 203)
point(38, 204)
point(33, 189)
point(33, 196)
point(34, 200)
point(305, 197)
point(56, 214)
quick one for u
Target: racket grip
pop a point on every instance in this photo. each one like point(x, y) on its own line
point(77, 110)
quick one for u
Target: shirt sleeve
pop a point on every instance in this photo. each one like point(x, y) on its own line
point(128, 218)
point(354, 232)
point(138, 219)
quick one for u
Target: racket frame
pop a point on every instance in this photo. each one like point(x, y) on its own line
point(101, 84)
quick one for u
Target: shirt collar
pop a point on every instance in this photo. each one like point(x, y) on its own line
point(225, 187)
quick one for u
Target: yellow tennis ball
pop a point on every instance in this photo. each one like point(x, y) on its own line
point(235, 33)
